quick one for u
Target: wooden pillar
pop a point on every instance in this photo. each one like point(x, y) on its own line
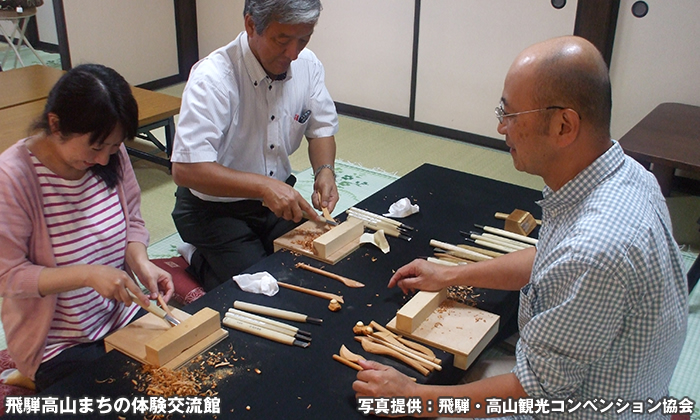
point(187, 41)
point(596, 20)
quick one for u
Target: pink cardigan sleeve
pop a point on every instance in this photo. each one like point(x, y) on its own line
point(131, 201)
point(23, 230)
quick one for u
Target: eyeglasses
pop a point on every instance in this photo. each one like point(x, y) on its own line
point(501, 113)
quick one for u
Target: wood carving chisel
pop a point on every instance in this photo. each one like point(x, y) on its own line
point(270, 327)
point(277, 313)
point(154, 309)
point(384, 218)
point(239, 325)
point(291, 328)
point(508, 234)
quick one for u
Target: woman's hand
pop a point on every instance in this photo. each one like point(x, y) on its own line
point(112, 283)
point(156, 280)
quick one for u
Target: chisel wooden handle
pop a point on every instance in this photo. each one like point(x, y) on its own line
point(278, 324)
point(317, 293)
point(461, 252)
point(278, 313)
point(508, 234)
point(154, 309)
point(346, 281)
point(239, 325)
point(260, 324)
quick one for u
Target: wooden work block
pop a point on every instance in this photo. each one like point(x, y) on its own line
point(456, 328)
point(175, 340)
point(133, 339)
point(413, 313)
point(300, 240)
point(337, 238)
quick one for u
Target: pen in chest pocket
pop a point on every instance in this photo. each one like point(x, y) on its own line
point(301, 119)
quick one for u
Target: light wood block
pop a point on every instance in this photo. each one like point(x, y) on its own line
point(337, 238)
point(294, 241)
point(175, 340)
point(169, 346)
point(451, 326)
point(416, 310)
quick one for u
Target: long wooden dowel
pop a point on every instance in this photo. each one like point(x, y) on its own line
point(260, 324)
point(374, 216)
point(240, 325)
point(464, 253)
point(435, 260)
point(312, 292)
point(267, 323)
point(500, 244)
point(493, 245)
point(482, 250)
point(510, 242)
point(346, 281)
point(278, 313)
point(500, 240)
point(510, 235)
point(288, 327)
point(374, 224)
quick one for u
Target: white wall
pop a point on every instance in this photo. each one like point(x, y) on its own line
point(655, 59)
point(218, 23)
point(465, 50)
point(366, 48)
point(135, 37)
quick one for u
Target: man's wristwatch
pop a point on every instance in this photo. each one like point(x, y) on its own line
point(322, 167)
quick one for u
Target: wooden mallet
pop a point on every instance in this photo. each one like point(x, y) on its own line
point(519, 221)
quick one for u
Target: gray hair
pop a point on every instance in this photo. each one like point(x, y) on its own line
point(290, 12)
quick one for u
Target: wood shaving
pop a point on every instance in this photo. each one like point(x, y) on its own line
point(308, 237)
point(165, 382)
point(463, 294)
point(199, 378)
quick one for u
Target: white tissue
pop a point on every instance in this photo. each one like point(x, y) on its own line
point(402, 208)
point(262, 282)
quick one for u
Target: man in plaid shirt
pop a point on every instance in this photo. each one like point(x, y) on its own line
point(603, 298)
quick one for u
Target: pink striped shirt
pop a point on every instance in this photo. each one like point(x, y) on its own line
point(86, 225)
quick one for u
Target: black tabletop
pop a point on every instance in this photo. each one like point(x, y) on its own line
point(300, 383)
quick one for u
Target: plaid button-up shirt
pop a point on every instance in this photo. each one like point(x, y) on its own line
point(603, 318)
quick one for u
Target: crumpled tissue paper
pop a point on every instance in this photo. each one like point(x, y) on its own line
point(260, 283)
point(402, 208)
